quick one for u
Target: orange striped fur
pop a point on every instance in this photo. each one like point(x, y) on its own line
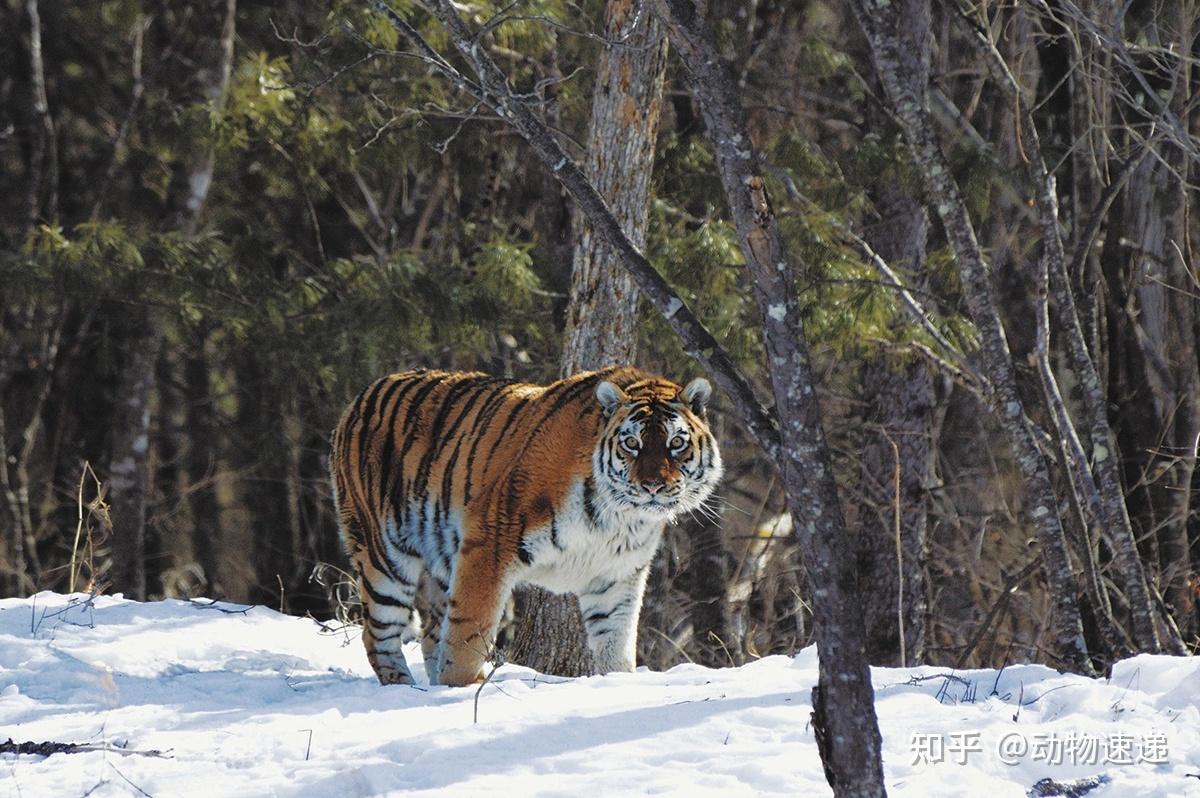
point(487, 483)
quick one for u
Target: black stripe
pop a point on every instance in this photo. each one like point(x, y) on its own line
point(517, 407)
point(482, 420)
point(523, 553)
point(374, 407)
point(602, 590)
point(436, 440)
point(380, 598)
point(390, 425)
point(589, 500)
point(400, 498)
point(385, 638)
point(455, 432)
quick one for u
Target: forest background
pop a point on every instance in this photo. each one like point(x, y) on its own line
point(223, 219)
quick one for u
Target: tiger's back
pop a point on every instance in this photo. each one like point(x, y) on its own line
point(485, 483)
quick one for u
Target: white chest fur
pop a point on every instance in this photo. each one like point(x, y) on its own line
point(580, 547)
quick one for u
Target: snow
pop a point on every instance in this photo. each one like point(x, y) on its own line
point(245, 701)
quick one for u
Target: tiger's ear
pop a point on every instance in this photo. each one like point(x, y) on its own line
point(697, 394)
point(610, 397)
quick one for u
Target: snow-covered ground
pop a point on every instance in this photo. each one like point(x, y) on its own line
point(178, 699)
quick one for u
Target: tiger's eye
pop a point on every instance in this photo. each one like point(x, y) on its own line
point(631, 443)
point(677, 442)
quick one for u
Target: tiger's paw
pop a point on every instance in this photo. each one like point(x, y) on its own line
point(453, 675)
point(390, 671)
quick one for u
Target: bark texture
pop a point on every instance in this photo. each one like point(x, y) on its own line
point(601, 327)
point(844, 719)
point(626, 105)
point(129, 467)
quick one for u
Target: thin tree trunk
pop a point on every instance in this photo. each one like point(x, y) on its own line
point(602, 314)
point(844, 719)
point(263, 458)
point(1182, 430)
point(163, 528)
point(708, 574)
point(318, 534)
point(129, 464)
point(897, 460)
point(207, 532)
point(888, 37)
point(43, 159)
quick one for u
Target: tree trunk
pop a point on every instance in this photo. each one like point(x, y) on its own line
point(707, 583)
point(1160, 371)
point(129, 463)
point(602, 315)
point(897, 470)
point(897, 464)
point(207, 532)
point(164, 527)
point(318, 534)
point(263, 458)
point(844, 720)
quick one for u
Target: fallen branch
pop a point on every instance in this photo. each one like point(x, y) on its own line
point(47, 748)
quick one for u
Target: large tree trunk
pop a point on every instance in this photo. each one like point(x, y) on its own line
point(1173, 330)
point(602, 315)
point(209, 59)
point(1159, 375)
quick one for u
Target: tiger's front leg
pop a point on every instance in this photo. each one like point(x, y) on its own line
point(477, 596)
point(610, 615)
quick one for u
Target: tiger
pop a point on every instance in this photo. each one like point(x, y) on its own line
point(482, 484)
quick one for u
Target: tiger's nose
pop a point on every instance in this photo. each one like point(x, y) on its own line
point(653, 486)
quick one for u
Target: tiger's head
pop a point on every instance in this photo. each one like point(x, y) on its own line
point(656, 455)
